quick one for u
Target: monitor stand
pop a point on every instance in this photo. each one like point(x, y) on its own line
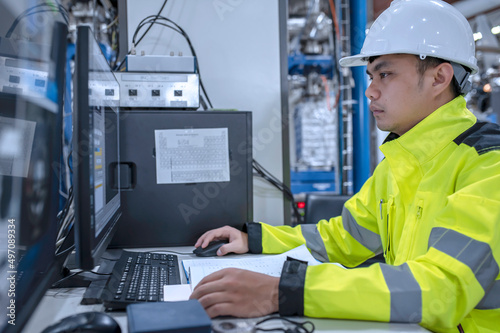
point(94, 283)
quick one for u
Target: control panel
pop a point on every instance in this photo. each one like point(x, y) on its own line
point(23, 77)
point(159, 90)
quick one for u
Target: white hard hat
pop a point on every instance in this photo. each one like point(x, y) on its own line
point(421, 27)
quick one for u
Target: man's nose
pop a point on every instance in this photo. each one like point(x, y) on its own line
point(372, 92)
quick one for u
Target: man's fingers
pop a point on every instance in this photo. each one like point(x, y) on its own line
point(221, 309)
point(206, 238)
point(215, 234)
point(228, 248)
point(209, 284)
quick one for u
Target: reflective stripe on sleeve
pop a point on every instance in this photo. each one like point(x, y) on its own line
point(473, 253)
point(314, 242)
point(367, 238)
point(406, 295)
point(491, 300)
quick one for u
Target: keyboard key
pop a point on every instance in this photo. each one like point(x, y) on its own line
point(140, 277)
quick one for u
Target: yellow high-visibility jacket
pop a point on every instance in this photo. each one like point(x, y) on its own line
point(432, 206)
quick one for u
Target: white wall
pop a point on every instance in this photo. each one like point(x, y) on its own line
point(238, 48)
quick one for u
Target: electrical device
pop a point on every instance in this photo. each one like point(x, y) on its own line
point(96, 155)
point(159, 90)
point(183, 173)
point(22, 76)
point(160, 63)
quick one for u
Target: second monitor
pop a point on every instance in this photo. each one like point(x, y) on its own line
point(183, 173)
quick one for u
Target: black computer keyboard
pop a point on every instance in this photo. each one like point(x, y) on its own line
point(140, 277)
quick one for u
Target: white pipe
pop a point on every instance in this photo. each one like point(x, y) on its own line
point(471, 8)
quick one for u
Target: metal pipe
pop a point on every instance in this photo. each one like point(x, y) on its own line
point(361, 115)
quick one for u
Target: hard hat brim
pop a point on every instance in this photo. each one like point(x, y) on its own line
point(353, 61)
point(362, 60)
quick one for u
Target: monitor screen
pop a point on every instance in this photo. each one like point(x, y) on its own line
point(31, 84)
point(95, 150)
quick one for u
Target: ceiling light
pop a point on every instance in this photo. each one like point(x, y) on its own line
point(478, 36)
point(495, 30)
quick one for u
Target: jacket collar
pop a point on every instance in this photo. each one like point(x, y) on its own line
point(432, 134)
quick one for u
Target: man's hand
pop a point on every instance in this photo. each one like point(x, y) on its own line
point(237, 292)
point(238, 240)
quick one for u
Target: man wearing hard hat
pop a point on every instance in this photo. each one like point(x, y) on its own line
point(432, 206)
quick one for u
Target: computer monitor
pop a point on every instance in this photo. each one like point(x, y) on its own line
point(95, 154)
point(183, 173)
point(31, 87)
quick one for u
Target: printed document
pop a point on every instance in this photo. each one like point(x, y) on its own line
point(197, 269)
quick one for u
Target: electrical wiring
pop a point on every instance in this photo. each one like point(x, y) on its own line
point(262, 172)
point(151, 25)
point(175, 252)
point(57, 283)
point(66, 216)
point(143, 35)
point(153, 19)
point(36, 10)
point(327, 92)
point(298, 327)
point(334, 18)
point(66, 220)
point(68, 250)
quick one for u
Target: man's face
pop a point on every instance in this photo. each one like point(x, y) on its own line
point(399, 95)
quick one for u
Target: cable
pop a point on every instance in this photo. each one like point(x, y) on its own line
point(144, 34)
point(151, 25)
point(55, 284)
point(334, 18)
point(69, 249)
point(163, 24)
point(176, 252)
point(66, 216)
point(152, 19)
point(272, 179)
point(298, 327)
point(29, 12)
point(68, 159)
point(261, 171)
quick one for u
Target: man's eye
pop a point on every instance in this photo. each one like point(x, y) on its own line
point(383, 75)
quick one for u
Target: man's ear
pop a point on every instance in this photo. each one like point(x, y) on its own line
point(443, 76)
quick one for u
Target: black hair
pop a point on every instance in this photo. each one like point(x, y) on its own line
point(425, 64)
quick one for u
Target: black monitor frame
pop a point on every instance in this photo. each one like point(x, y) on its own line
point(89, 246)
point(31, 201)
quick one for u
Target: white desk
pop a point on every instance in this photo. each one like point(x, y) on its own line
point(63, 302)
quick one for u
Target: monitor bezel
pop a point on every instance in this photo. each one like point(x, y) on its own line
point(34, 280)
point(88, 248)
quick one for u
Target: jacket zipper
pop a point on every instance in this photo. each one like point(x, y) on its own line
point(388, 246)
point(414, 227)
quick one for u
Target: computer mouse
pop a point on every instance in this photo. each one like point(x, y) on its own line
point(98, 322)
point(211, 249)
